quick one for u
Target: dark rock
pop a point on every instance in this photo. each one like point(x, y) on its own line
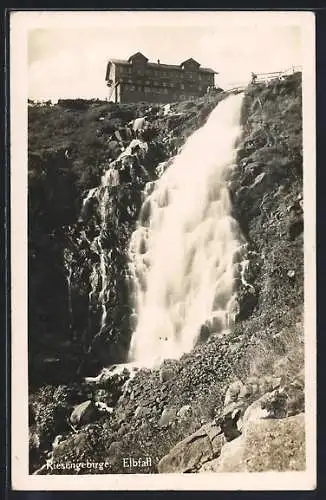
point(204, 334)
point(296, 228)
point(114, 451)
point(275, 403)
point(166, 373)
point(247, 300)
point(75, 447)
point(191, 453)
point(229, 417)
point(295, 393)
point(251, 171)
point(84, 413)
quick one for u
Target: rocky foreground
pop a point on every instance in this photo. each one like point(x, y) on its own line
point(236, 402)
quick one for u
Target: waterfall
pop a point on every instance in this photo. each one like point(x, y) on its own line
point(186, 249)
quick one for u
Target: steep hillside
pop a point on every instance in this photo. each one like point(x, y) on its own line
point(186, 415)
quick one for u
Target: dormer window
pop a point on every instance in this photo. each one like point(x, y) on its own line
point(190, 65)
point(138, 59)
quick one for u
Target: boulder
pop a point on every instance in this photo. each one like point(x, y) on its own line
point(252, 413)
point(84, 413)
point(76, 447)
point(258, 180)
point(204, 334)
point(265, 445)
point(273, 404)
point(246, 392)
point(114, 453)
point(296, 227)
point(141, 412)
point(295, 397)
point(191, 453)
point(251, 171)
point(114, 448)
point(166, 374)
point(168, 417)
point(247, 301)
point(210, 466)
point(228, 419)
point(233, 392)
point(184, 412)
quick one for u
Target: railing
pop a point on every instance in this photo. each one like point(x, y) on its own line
point(262, 77)
point(265, 77)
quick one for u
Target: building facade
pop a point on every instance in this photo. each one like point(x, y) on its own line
point(137, 79)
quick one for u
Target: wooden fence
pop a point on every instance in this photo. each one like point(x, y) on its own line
point(265, 78)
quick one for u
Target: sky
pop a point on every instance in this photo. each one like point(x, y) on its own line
point(67, 57)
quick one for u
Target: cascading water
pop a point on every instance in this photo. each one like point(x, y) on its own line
point(185, 250)
point(101, 208)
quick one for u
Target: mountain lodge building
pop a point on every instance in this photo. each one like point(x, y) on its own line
point(137, 79)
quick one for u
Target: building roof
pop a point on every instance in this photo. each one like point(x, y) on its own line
point(161, 65)
point(191, 60)
point(137, 55)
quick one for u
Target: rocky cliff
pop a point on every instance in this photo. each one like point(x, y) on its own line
point(191, 414)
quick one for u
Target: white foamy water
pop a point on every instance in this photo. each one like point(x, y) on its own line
point(185, 249)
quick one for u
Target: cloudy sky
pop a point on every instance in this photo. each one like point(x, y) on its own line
point(67, 56)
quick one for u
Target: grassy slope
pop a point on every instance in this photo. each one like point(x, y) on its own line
point(85, 127)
